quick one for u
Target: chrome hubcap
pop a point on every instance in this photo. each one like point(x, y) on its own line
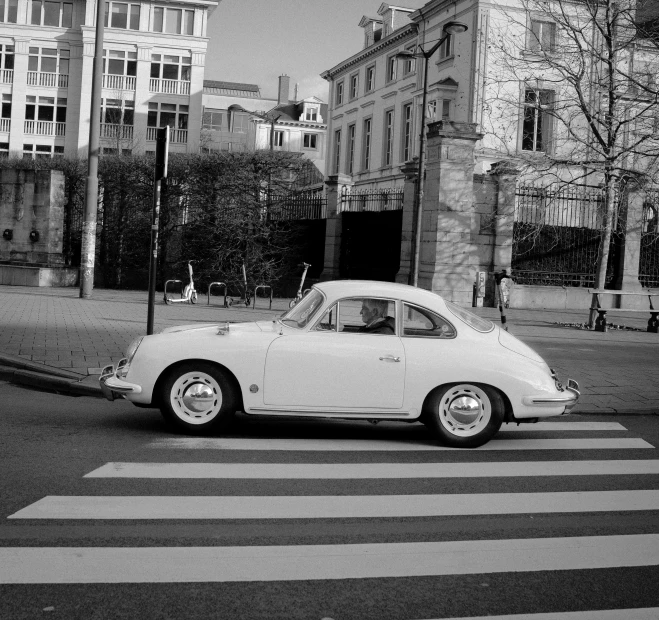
point(464, 409)
point(198, 397)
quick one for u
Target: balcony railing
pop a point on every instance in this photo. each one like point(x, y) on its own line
point(116, 132)
point(169, 87)
point(7, 76)
point(44, 128)
point(119, 82)
point(177, 136)
point(39, 78)
point(5, 124)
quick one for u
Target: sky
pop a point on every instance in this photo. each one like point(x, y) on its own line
point(256, 41)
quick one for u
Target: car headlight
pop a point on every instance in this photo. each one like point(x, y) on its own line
point(132, 348)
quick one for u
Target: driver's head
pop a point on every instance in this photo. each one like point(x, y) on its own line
point(373, 309)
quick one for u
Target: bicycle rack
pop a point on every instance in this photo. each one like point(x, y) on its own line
point(166, 283)
point(262, 286)
point(211, 285)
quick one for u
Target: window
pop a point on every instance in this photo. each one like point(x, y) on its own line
point(8, 11)
point(6, 105)
point(4, 150)
point(542, 36)
point(446, 48)
point(339, 93)
point(167, 115)
point(352, 133)
point(239, 122)
point(39, 151)
point(388, 137)
point(536, 125)
point(337, 151)
point(310, 140)
point(354, 86)
point(45, 109)
point(173, 21)
point(171, 67)
point(49, 13)
point(391, 68)
point(366, 155)
point(370, 79)
point(446, 109)
point(407, 132)
point(409, 64)
point(117, 62)
point(311, 115)
point(215, 121)
point(117, 112)
point(422, 323)
point(122, 15)
point(49, 60)
point(356, 315)
point(6, 57)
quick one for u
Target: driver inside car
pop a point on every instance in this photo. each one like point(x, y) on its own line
point(374, 315)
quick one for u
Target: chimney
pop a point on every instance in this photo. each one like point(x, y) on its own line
point(284, 89)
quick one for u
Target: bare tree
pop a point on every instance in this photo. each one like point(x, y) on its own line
point(582, 75)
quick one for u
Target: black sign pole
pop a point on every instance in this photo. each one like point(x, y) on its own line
point(160, 175)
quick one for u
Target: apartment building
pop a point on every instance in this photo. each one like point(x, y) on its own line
point(153, 71)
point(237, 117)
point(492, 77)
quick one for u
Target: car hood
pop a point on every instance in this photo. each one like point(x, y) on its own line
point(515, 345)
point(250, 326)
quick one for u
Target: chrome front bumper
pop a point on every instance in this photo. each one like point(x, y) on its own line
point(113, 386)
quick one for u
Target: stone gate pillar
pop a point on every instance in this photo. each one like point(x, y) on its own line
point(333, 225)
point(632, 245)
point(411, 171)
point(452, 250)
point(504, 215)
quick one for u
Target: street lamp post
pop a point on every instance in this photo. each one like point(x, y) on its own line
point(450, 28)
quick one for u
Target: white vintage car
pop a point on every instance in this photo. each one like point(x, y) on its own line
point(349, 349)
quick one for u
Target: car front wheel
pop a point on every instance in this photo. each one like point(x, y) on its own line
point(198, 398)
point(465, 415)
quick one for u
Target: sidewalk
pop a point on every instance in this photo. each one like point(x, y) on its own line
point(52, 339)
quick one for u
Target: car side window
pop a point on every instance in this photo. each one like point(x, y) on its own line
point(367, 315)
point(422, 323)
point(328, 320)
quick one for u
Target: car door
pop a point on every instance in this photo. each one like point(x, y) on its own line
point(336, 366)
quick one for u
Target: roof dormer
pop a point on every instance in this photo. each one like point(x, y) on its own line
point(372, 29)
point(393, 17)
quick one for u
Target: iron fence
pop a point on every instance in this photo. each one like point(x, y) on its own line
point(556, 236)
point(648, 267)
point(375, 200)
point(300, 206)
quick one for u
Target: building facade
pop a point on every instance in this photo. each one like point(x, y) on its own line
point(493, 77)
point(236, 117)
point(153, 71)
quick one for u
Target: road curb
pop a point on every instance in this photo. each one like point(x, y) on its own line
point(47, 382)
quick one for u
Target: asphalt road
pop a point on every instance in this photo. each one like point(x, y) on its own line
point(497, 543)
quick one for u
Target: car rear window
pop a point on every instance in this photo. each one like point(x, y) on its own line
point(476, 322)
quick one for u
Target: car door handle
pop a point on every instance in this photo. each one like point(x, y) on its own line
point(390, 358)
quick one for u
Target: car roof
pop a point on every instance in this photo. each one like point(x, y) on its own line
point(373, 288)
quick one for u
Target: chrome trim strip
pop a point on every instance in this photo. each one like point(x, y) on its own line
point(365, 414)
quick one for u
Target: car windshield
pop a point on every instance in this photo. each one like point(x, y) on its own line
point(476, 322)
point(302, 312)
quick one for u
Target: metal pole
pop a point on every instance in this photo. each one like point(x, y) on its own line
point(414, 272)
point(159, 174)
point(88, 249)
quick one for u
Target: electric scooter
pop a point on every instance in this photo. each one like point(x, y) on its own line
point(248, 296)
point(189, 292)
point(299, 291)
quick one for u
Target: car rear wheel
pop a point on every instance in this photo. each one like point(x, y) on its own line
point(465, 415)
point(198, 398)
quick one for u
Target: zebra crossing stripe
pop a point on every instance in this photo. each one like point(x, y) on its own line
point(344, 471)
point(383, 445)
point(333, 506)
point(647, 613)
point(563, 426)
point(58, 565)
